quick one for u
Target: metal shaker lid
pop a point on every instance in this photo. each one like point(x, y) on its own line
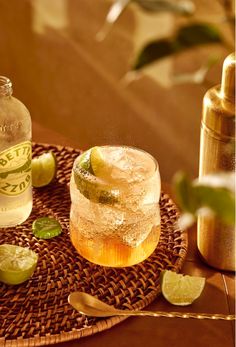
point(219, 102)
point(228, 79)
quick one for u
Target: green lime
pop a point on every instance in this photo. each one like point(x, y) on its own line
point(44, 169)
point(93, 188)
point(99, 165)
point(46, 228)
point(84, 161)
point(17, 264)
point(181, 289)
point(88, 183)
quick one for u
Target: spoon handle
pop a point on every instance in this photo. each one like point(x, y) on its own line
point(178, 315)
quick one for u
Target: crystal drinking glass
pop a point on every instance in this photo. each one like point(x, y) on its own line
point(115, 215)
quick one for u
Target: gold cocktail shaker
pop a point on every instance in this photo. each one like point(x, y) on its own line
point(216, 241)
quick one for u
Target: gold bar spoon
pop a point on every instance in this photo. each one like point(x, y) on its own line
point(90, 306)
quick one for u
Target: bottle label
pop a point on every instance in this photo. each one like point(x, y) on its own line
point(15, 169)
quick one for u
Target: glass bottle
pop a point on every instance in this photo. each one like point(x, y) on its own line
point(15, 158)
point(216, 241)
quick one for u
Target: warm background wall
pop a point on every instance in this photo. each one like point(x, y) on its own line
point(71, 83)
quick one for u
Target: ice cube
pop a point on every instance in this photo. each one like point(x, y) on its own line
point(137, 234)
point(128, 164)
point(151, 192)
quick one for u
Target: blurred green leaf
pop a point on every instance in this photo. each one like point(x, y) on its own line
point(184, 192)
point(219, 200)
point(184, 7)
point(154, 51)
point(185, 38)
point(193, 196)
point(198, 34)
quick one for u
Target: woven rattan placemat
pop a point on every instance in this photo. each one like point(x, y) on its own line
point(36, 312)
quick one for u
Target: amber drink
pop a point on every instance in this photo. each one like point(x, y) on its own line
point(115, 216)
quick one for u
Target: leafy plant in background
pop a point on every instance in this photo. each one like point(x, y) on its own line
point(213, 194)
point(188, 36)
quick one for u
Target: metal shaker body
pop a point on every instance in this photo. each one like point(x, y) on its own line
point(216, 241)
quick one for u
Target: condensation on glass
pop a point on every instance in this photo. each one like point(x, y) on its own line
point(15, 158)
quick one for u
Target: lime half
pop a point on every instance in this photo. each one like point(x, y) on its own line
point(17, 264)
point(179, 289)
point(46, 228)
point(44, 169)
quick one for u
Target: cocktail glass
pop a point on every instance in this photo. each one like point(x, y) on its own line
point(115, 215)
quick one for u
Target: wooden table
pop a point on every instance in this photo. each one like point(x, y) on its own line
point(218, 297)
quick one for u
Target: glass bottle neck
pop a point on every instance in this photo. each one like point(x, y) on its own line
point(5, 86)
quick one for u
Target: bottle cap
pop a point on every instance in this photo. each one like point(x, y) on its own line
point(5, 86)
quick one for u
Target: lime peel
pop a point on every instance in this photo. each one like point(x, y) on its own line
point(84, 161)
point(180, 289)
point(17, 264)
point(46, 228)
point(88, 183)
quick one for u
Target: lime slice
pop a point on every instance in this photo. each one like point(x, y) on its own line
point(93, 187)
point(99, 166)
point(17, 264)
point(179, 289)
point(44, 169)
point(46, 228)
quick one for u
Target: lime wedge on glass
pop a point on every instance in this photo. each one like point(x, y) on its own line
point(93, 161)
point(86, 175)
point(17, 264)
point(44, 169)
point(99, 165)
point(84, 161)
point(181, 289)
point(46, 228)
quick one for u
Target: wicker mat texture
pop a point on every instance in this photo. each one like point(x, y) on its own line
point(36, 312)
